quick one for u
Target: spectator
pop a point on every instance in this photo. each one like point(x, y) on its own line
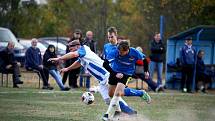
point(203, 77)
point(33, 61)
point(92, 44)
point(52, 66)
point(187, 57)
point(9, 64)
point(73, 74)
point(157, 58)
point(89, 41)
point(139, 73)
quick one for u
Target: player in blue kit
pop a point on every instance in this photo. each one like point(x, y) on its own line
point(123, 60)
point(112, 45)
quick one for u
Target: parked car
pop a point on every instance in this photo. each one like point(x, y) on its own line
point(19, 51)
point(27, 43)
point(60, 48)
point(62, 40)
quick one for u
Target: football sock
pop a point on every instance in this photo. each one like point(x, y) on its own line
point(132, 92)
point(126, 108)
point(114, 103)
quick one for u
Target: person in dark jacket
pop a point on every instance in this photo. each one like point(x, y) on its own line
point(73, 74)
point(203, 77)
point(187, 57)
point(89, 41)
point(52, 66)
point(9, 64)
point(33, 61)
point(157, 58)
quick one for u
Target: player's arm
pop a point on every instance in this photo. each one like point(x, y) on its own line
point(66, 56)
point(75, 65)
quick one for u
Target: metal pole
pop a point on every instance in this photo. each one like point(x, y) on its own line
point(161, 26)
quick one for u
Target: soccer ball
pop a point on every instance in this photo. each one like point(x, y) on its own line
point(87, 98)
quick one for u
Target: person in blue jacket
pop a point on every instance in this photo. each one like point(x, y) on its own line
point(33, 61)
point(187, 57)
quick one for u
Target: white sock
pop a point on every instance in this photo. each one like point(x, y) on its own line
point(103, 90)
point(113, 103)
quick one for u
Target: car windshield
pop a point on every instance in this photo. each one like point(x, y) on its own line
point(6, 36)
point(41, 46)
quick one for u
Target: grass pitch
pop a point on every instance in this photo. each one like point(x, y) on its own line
point(42, 105)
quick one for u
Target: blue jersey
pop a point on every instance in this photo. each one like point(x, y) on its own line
point(125, 64)
point(107, 49)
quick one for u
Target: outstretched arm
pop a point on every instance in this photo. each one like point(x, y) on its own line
point(66, 56)
point(75, 65)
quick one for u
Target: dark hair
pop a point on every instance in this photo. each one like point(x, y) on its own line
point(188, 38)
point(50, 46)
point(123, 45)
point(112, 30)
point(200, 51)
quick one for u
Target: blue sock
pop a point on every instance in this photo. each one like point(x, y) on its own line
point(125, 108)
point(132, 92)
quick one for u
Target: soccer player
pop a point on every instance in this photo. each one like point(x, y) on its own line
point(112, 45)
point(91, 62)
point(123, 60)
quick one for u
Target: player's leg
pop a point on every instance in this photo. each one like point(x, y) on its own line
point(103, 90)
point(133, 92)
point(112, 86)
point(115, 101)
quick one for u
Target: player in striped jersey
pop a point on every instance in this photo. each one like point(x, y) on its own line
point(91, 62)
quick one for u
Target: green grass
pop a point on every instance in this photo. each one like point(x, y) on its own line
point(41, 105)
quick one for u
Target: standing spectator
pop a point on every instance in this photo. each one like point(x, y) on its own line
point(33, 61)
point(89, 41)
point(9, 64)
point(157, 58)
point(92, 44)
point(203, 76)
point(52, 66)
point(187, 57)
point(73, 74)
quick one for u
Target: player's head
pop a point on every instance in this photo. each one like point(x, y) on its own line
point(112, 35)
point(123, 47)
point(74, 45)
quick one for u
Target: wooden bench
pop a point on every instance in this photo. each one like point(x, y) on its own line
point(21, 71)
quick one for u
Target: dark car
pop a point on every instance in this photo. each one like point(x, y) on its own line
point(5, 36)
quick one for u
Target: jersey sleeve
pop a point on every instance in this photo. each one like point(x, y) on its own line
point(81, 51)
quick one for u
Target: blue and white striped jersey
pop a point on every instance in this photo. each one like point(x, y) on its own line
point(93, 64)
